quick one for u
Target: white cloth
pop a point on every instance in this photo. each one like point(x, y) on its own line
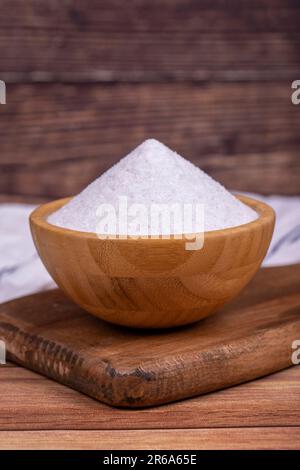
point(285, 245)
point(22, 272)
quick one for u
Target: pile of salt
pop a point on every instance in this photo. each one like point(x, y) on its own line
point(154, 174)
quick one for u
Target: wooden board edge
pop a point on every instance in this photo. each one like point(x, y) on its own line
point(138, 388)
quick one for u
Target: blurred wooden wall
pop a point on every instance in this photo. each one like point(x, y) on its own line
point(88, 80)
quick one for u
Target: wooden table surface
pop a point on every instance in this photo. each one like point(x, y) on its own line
point(38, 413)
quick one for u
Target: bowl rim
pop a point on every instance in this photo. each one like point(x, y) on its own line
point(38, 218)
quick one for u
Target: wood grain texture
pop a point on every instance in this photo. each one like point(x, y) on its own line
point(30, 401)
point(149, 40)
point(6, 198)
point(152, 282)
point(201, 439)
point(132, 368)
point(56, 138)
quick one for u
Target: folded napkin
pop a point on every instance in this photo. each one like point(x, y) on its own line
point(285, 245)
point(21, 270)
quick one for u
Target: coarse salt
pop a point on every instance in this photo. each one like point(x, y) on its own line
point(154, 174)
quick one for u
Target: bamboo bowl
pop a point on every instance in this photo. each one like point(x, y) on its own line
point(152, 283)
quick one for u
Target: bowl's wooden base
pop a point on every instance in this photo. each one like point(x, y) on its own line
point(249, 338)
point(152, 282)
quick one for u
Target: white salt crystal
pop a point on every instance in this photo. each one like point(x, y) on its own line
point(154, 174)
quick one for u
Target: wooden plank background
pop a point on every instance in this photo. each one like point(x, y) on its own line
point(175, 439)
point(32, 402)
point(88, 81)
point(42, 414)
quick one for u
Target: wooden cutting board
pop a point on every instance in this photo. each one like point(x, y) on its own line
point(251, 337)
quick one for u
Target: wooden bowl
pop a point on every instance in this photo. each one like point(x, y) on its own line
point(152, 283)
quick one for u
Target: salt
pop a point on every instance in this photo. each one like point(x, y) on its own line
point(154, 174)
